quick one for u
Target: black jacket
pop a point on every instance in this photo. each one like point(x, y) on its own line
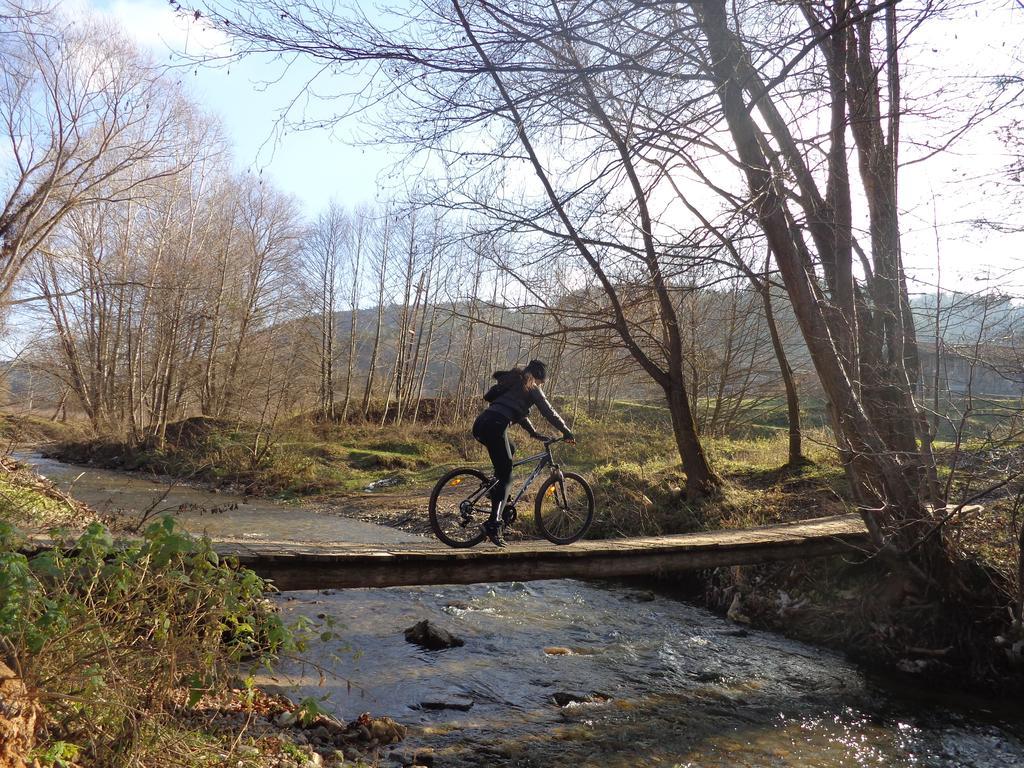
point(511, 400)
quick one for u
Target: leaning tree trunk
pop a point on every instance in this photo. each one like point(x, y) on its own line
point(701, 480)
point(899, 516)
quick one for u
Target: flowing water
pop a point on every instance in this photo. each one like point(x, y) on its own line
point(653, 681)
point(672, 685)
point(219, 515)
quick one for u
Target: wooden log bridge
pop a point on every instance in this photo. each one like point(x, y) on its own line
point(293, 565)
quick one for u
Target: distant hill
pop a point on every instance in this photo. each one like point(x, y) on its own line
point(996, 323)
point(980, 343)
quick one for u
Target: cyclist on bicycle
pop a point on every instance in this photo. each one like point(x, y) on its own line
point(510, 401)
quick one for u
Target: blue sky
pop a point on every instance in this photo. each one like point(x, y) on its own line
point(315, 166)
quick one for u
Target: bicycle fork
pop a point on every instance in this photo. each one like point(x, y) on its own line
point(558, 488)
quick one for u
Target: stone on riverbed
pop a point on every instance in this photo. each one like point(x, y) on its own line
point(564, 699)
point(386, 731)
point(423, 757)
point(735, 612)
point(457, 702)
point(286, 719)
point(432, 637)
point(557, 650)
point(641, 596)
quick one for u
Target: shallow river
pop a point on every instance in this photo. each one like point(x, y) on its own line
point(220, 515)
point(671, 684)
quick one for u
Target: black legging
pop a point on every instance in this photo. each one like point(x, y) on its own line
point(491, 429)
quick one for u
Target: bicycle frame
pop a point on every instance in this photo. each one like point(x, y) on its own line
point(544, 460)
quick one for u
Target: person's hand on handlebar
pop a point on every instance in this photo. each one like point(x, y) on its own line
point(570, 438)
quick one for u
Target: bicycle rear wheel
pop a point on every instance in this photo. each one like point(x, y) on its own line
point(564, 509)
point(459, 505)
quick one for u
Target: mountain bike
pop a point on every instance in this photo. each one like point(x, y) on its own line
point(563, 510)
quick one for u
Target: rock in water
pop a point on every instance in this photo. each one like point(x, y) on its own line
point(641, 596)
point(456, 702)
point(557, 650)
point(18, 715)
point(432, 637)
point(386, 731)
point(285, 719)
point(735, 612)
point(421, 758)
point(564, 699)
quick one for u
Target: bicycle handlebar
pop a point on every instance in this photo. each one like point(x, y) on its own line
point(553, 440)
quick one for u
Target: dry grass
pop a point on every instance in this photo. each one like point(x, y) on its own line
point(630, 456)
point(31, 428)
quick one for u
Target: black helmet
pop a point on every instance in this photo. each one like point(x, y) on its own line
point(537, 369)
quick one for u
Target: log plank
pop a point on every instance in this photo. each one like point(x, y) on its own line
point(295, 567)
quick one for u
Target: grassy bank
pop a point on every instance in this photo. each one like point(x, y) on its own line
point(33, 429)
point(301, 459)
point(629, 455)
point(33, 504)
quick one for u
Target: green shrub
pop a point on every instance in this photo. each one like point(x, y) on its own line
point(109, 637)
point(371, 460)
point(407, 447)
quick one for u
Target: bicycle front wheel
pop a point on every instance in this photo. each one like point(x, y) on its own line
point(564, 508)
point(459, 505)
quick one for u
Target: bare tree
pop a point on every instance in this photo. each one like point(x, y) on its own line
point(379, 257)
point(85, 117)
point(360, 234)
point(327, 250)
point(268, 242)
point(862, 347)
point(174, 302)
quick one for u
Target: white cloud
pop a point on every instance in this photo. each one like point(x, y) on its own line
point(154, 25)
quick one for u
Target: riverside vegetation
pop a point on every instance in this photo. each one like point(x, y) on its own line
point(137, 654)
